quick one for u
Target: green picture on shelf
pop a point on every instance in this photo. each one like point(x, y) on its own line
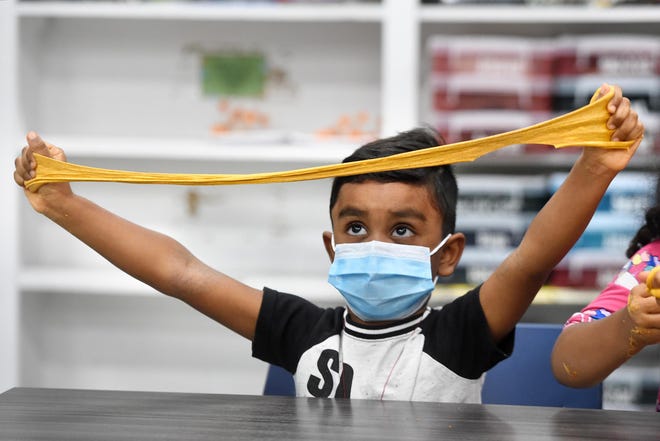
point(233, 74)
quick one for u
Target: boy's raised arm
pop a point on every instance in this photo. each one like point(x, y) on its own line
point(509, 291)
point(151, 257)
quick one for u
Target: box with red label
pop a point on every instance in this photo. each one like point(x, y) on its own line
point(589, 269)
point(476, 72)
point(612, 231)
point(491, 195)
point(496, 57)
point(468, 92)
point(628, 196)
point(502, 230)
point(476, 265)
point(608, 54)
point(473, 124)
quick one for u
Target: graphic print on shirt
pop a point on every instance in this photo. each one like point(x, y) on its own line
point(614, 296)
point(328, 366)
point(639, 262)
point(378, 367)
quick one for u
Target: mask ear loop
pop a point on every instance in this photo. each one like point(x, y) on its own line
point(435, 250)
point(332, 241)
point(444, 241)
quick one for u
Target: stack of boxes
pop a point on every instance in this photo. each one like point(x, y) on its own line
point(493, 212)
point(599, 254)
point(480, 86)
point(583, 63)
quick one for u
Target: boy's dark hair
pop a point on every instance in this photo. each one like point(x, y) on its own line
point(650, 231)
point(439, 180)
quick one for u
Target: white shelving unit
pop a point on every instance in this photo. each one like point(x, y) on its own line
point(530, 15)
point(9, 337)
point(234, 11)
point(128, 97)
point(115, 84)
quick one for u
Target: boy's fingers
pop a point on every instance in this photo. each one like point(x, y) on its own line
point(36, 144)
point(25, 164)
point(23, 168)
point(636, 127)
point(19, 171)
point(600, 92)
point(626, 122)
point(23, 158)
point(618, 118)
point(616, 99)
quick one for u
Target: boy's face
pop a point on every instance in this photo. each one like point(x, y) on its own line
point(387, 212)
point(393, 212)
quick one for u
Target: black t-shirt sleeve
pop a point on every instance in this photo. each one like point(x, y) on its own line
point(288, 325)
point(458, 336)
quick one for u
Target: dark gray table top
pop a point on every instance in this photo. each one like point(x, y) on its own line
point(63, 414)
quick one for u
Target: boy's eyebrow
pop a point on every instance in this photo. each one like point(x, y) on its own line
point(404, 213)
point(350, 211)
point(409, 212)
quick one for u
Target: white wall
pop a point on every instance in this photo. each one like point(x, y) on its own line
point(9, 147)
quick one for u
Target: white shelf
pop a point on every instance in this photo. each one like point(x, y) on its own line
point(539, 14)
point(206, 149)
point(310, 152)
point(80, 281)
point(553, 161)
point(230, 11)
point(547, 296)
point(338, 12)
point(95, 281)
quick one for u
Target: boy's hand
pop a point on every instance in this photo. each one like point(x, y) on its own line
point(25, 169)
point(626, 125)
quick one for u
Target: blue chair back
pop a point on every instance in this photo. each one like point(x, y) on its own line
point(526, 377)
point(279, 382)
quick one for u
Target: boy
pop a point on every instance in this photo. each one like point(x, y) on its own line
point(393, 235)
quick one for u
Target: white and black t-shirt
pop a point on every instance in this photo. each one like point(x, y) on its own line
point(439, 355)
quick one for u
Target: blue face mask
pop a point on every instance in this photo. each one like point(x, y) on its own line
point(383, 281)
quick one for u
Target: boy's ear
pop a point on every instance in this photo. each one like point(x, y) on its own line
point(451, 254)
point(327, 243)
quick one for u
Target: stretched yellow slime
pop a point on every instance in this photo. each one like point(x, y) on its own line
point(585, 127)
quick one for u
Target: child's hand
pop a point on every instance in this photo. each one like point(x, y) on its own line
point(626, 125)
point(644, 311)
point(25, 169)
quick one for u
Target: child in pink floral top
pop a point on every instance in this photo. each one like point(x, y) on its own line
point(615, 295)
point(576, 361)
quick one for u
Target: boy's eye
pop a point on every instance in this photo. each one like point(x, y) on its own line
point(402, 231)
point(356, 230)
